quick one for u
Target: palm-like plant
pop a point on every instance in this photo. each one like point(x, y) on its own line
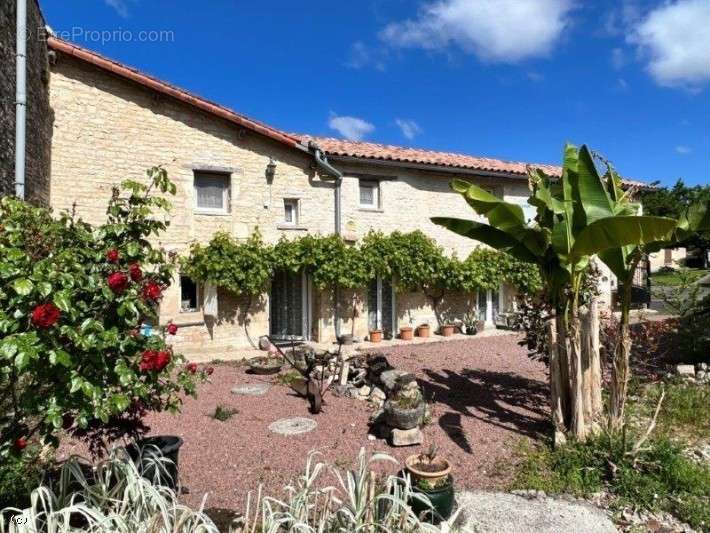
point(576, 219)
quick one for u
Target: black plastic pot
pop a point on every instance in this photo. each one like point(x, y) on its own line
point(167, 446)
point(442, 501)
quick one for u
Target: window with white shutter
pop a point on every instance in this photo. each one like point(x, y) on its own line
point(212, 192)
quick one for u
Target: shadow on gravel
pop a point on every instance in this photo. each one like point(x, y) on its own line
point(502, 399)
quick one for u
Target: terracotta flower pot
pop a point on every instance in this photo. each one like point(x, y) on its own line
point(406, 333)
point(435, 472)
point(423, 330)
point(376, 335)
point(447, 330)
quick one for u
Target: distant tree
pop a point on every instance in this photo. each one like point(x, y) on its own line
point(670, 202)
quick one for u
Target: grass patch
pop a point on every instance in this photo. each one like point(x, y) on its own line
point(684, 412)
point(660, 478)
point(673, 279)
point(224, 413)
point(19, 476)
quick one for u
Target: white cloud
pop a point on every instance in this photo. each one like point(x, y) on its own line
point(504, 31)
point(683, 150)
point(409, 128)
point(120, 6)
point(675, 40)
point(351, 128)
point(362, 56)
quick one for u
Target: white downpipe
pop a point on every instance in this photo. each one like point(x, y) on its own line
point(21, 99)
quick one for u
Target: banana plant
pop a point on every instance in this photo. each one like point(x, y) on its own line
point(623, 262)
point(575, 220)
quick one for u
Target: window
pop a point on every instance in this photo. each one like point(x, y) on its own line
point(189, 301)
point(291, 211)
point(212, 192)
point(369, 194)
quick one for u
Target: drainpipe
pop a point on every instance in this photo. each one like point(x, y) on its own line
point(337, 177)
point(20, 98)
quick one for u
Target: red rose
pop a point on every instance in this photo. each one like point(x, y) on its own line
point(148, 360)
point(20, 443)
point(136, 272)
point(152, 291)
point(112, 255)
point(171, 329)
point(161, 360)
point(45, 315)
point(192, 368)
point(117, 282)
point(209, 370)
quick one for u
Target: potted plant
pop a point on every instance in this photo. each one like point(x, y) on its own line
point(376, 335)
point(405, 410)
point(423, 330)
point(431, 476)
point(157, 458)
point(265, 365)
point(406, 333)
point(470, 321)
point(447, 330)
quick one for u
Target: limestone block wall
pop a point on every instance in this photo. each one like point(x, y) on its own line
point(108, 129)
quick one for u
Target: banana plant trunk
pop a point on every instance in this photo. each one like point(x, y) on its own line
point(621, 363)
point(559, 401)
point(591, 364)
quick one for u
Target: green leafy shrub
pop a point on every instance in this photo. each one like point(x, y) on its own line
point(19, 475)
point(72, 299)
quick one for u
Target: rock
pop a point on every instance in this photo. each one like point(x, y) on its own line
point(489, 512)
point(251, 389)
point(702, 366)
point(685, 370)
point(701, 374)
point(388, 378)
point(407, 381)
point(370, 436)
point(293, 426)
point(378, 393)
point(364, 391)
point(376, 365)
point(530, 494)
point(407, 437)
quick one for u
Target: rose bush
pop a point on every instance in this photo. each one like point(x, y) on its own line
point(72, 299)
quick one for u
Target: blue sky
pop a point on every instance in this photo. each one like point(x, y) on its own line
point(512, 79)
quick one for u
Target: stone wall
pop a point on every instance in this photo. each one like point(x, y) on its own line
point(39, 116)
point(108, 129)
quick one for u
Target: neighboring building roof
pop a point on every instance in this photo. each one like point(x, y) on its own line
point(387, 152)
point(332, 147)
point(167, 89)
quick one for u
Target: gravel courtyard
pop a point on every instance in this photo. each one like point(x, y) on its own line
point(487, 395)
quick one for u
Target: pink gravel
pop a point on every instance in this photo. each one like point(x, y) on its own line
point(487, 392)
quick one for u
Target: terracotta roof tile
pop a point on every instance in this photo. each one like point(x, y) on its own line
point(387, 152)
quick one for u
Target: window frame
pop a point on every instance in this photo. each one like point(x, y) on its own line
point(198, 292)
point(226, 192)
point(296, 203)
point(373, 184)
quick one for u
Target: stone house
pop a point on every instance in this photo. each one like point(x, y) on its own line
point(111, 122)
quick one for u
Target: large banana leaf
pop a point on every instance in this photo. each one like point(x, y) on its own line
point(493, 237)
point(500, 214)
point(591, 195)
point(618, 231)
